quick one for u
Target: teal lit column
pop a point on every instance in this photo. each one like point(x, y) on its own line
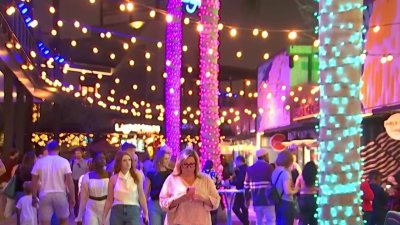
point(340, 115)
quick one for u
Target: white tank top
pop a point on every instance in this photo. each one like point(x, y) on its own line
point(125, 190)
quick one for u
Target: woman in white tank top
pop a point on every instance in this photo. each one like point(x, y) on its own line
point(93, 194)
point(125, 193)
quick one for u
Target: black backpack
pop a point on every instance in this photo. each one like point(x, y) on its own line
point(272, 193)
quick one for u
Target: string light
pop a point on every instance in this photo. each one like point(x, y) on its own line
point(52, 10)
point(256, 32)
point(10, 10)
point(292, 35)
point(239, 54)
point(95, 50)
point(264, 34)
point(376, 29)
point(266, 56)
point(186, 21)
point(200, 27)
point(131, 62)
point(233, 32)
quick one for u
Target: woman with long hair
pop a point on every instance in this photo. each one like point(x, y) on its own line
point(23, 173)
point(306, 183)
point(154, 181)
point(93, 195)
point(187, 195)
point(282, 179)
point(125, 193)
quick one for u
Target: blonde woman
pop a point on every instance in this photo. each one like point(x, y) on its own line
point(155, 179)
point(125, 193)
point(187, 195)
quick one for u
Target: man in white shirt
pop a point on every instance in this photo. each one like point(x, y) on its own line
point(55, 176)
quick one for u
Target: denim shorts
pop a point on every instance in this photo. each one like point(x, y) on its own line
point(125, 215)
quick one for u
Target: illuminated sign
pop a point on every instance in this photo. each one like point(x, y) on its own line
point(192, 5)
point(137, 128)
point(392, 126)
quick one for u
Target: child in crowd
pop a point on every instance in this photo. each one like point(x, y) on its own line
point(26, 213)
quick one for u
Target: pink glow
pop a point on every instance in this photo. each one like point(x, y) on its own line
point(173, 48)
point(209, 71)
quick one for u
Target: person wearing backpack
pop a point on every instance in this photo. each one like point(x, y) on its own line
point(282, 181)
point(258, 181)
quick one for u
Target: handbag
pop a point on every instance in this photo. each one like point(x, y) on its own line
point(272, 193)
point(9, 190)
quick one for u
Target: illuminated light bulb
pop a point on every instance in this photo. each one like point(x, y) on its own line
point(148, 68)
point(122, 7)
point(134, 87)
point(269, 95)
point(264, 34)
point(33, 54)
point(383, 60)
point(24, 67)
point(165, 75)
point(233, 32)
point(190, 69)
point(34, 23)
point(125, 46)
point(168, 63)
point(97, 85)
point(296, 99)
point(210, 51)
point(186, 21)
point(292, 35)
point(52, 10)
point(112, 56)
point(283, 98)
point(283, 87)
point(169, 18)
point(131, 62)
point(316, 43)
point(241, 93)
point(248, 83)
point(133, 40)
point(99, 76)
point(11, 10)
point(102, 35)
point(255, 95)
point(295, 58)
point(95, 50)
point(389, 58)
point(256, 32)
point(117, 80)
point(130, 6)
point(300, 88)
point(53, 32)
point(239, 54)
point(60, 23)
point(200, 27)
point(152, 14)
point(228, 89)
point(84, 30)
point(184, 121)
point(250, 95)
point(220, 26)
point(198, 82)
point(77, 24)
point(82, 78)
point(108, 34)
point(266, 56)
point(77, 94)
point(92, 1)
point(159, 44)
point(196, 121)
point(363, 56)
point(182, 80)
point(376, 29)
point(185, 48)
point(153, 87)
point(190, 92)
point(287, 107)
point(303, 101)
point(147, 55)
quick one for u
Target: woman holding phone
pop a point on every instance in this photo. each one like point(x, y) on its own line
point(187, 195)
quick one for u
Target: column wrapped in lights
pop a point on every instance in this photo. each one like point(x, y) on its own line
point(173, 58)
point(209, 71)
point(340, 116)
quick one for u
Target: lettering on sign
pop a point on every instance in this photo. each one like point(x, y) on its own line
point(137, 128)
point(192, 5)
point(392, 126)
point(305, 110)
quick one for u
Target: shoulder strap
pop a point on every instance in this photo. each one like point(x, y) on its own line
point(276, 181)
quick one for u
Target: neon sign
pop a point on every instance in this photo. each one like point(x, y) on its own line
point(192, 5)
point(137, 128)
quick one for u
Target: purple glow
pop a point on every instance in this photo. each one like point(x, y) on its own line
point(173, 54)
point(209, 71)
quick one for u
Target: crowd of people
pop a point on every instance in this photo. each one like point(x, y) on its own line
point(47, 189)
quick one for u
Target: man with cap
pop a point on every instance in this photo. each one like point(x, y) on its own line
point(258, 180)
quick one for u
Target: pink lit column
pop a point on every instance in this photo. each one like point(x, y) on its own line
point(209, 71)
point(173, 57)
